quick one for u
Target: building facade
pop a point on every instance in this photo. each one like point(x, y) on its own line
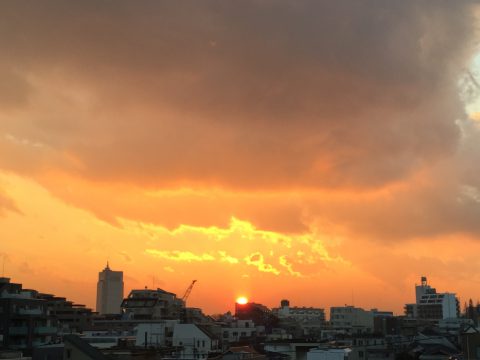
point(300, 314)
point(25, 320)
point(431, 305)
point(238, 330)
point(194, 342)
point(300, 321)
point(109, 291)
point(258, 313)
point(68, 316)
point(148, 304)
point(350, 319)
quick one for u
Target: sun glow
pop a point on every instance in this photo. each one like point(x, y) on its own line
point(242, 300)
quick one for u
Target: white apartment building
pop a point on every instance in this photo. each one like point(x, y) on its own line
point(194, 341)
point(155, 334)
point(430, 305)
point(300, 314)
point(239, 330)
point(109, 291)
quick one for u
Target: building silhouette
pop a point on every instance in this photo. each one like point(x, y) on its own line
point(109, 291)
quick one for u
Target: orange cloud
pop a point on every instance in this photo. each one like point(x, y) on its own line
point(179, 255)
point(256, 259)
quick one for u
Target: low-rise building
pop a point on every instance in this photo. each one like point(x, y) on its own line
point(258, 313)
point(194, 341)
point(68, 316)
point(329, 354)
point(350, 319)
point(76, 348)
point(155, 334)
point(300, 314)
point(25, 321)
point(370, 348)
point(300, 321)
point(238, 330)
point(150, 304)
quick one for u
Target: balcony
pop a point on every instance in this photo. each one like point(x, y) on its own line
point(18, 330)
point(30, 311)
point(45, 330)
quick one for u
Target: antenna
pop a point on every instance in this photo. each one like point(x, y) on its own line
point(3, 264)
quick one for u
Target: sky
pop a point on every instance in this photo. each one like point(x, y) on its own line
point(317, 151)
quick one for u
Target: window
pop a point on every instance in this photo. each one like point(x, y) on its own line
point(203, 343)
point(360, 354)
point(69, 353)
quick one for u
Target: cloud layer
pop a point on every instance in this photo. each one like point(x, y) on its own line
point(340, 122)
point(262, 94)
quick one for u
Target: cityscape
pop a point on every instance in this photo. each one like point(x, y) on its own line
point(153, 322)
point(239, 180)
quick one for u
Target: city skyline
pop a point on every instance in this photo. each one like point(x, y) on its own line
point(416, 292)
point(315, 151)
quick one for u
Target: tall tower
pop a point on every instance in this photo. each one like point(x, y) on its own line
point(109, 291)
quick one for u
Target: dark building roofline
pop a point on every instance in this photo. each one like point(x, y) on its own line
point(84, 347)
point(207, 332)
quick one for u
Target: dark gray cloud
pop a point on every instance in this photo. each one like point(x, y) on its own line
point(256, 94)
point(248, 95)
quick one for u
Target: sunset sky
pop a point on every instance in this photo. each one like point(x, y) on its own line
point(326, 152)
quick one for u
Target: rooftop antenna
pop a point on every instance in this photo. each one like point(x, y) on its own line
point(3, 264)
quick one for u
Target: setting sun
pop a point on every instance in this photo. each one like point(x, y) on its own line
point(242, 300)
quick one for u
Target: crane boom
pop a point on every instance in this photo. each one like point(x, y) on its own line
point(188, 291)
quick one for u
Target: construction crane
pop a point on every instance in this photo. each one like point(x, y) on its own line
point(188, 291)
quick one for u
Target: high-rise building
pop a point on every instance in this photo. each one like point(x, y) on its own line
point(109, 291)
